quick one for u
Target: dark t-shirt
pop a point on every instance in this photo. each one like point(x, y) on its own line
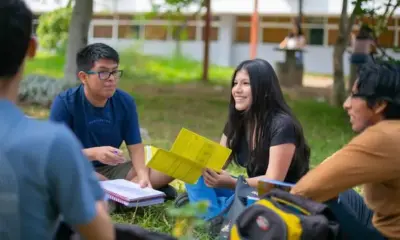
point(94, 126)
point(282, 131)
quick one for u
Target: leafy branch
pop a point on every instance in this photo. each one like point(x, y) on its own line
point(187, 219)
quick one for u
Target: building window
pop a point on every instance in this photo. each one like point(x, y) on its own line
point(274, 35)
point(102, 31)
point(187, 34)
point(242, 34)
point(129, 31)
point(153, 32)
point(243, 19)
point(332, 36)
point(386, 39)
point(314, 30)
point(316, 36)
point(213, 34)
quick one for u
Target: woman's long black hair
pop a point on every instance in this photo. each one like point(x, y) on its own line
point(365, 32)
point(297, 23)
point(268, 101)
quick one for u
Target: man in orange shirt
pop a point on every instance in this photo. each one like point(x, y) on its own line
point(371, 159)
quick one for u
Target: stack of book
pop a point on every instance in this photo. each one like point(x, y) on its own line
point(131, 194)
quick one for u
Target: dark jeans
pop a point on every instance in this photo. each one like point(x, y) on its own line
point(354, 217)
point(360, 58)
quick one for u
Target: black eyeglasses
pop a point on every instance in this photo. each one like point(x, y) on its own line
point(372, 97)
point(104, 75)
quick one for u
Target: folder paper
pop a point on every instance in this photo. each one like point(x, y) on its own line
point(189, 155)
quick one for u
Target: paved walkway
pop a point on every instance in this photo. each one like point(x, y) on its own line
point(317, 81)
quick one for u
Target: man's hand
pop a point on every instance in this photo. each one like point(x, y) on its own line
point(143, 181)
point(218, 180)
point(108, 155)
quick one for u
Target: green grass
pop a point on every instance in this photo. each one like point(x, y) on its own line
point(165, 109)
point(46, 64)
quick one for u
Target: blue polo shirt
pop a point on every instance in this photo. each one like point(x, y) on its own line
point(94, 126)
point(43, 175)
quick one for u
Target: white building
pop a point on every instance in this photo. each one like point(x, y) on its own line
point(116, 22)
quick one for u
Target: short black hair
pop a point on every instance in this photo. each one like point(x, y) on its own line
point(381, 82)
point(16, 31)
point(88, 55)
point(365, 32)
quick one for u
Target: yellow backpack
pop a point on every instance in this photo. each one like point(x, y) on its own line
point(282, 216)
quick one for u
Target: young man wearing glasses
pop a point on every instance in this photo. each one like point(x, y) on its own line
point(371, 159)
point(102, 117)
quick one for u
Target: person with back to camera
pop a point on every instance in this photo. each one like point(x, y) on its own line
point(43, 174)
point(263, 133)
point(370, 159)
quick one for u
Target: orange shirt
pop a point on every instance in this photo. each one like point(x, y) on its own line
point(371, 159)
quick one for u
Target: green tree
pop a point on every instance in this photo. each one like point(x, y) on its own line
point(379, 15)
point(345, 27)
point(53, 29)
point(78, 35)
point(174, 10)
point(378, 22)
point(186, 219)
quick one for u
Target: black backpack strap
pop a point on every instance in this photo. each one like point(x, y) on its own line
point(311, 206)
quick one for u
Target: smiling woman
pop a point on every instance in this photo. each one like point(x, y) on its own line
point(264, 135)
point(241, 90)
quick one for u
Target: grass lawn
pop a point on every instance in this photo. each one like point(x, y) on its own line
point(165, 108)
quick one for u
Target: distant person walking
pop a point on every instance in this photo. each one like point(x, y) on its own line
point(362, 48)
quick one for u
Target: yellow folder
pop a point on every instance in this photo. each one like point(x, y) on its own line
point(189, 155)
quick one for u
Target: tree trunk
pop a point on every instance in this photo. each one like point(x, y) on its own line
point(78, 35)
point(178, 42)
point(69, 3)
point(339, 92)
point(345, 28)
point(206, 48)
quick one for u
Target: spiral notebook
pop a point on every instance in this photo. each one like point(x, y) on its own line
point(131, 194)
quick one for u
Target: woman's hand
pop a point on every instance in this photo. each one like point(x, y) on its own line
point(218, 180)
